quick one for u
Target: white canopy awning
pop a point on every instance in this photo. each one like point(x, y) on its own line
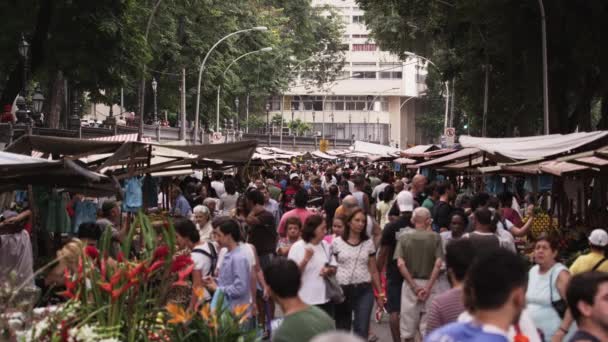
point(532, 147)
point(375, 149)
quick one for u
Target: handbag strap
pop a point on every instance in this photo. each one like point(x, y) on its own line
point(327, 254)
point(352, 275)
point(599, 264)
point(551, 284)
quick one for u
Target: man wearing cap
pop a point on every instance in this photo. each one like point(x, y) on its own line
point(595, 260)
point(388, 243)
point(290, 192)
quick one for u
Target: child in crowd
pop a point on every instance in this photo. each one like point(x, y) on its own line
point(294, 226)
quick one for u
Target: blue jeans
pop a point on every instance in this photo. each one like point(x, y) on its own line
point(360, 302)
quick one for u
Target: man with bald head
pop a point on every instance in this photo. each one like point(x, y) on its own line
point(349, 203)
point(419, 257)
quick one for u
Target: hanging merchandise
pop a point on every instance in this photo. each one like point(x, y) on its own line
point(150, 192)
point(133, 200)
point(57, 220)
point(84, 211)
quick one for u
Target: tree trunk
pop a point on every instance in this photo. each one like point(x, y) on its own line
point(55, 103)
point(603, 123)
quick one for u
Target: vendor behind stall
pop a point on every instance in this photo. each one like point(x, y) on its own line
point(16, 259)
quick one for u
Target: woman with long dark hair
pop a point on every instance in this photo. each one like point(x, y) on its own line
point(357, 272)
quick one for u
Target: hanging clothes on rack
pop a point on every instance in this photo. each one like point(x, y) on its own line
point(57, 220)
point(133, 200)
point(150, 190)
point(84, 211)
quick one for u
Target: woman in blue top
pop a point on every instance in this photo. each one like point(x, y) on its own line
point(547, 282)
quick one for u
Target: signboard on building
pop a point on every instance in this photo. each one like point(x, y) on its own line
point(323, 145)
point(450, 136)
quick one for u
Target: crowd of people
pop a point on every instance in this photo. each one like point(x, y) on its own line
point(330, 243)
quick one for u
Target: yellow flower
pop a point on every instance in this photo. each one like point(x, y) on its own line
point(178, 313)
point(241, 312)
point(206, 312)
point(240, 309)
point(199, 292)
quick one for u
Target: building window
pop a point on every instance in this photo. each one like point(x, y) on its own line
point(364, 47)
point(358, 19)
point(420, 78)
point(360, 36)
point(365, 64)
point(391, 75)
point(365, 74)
point(346, 19)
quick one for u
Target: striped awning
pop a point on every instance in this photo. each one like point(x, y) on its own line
point(122, 137)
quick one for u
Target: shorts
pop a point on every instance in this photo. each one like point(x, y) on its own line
point(393, 295)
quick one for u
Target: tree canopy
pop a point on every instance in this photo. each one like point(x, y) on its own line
point(100, 46)
point(461, 36)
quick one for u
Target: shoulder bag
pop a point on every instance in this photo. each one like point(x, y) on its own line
point(559, 305)
point(599, 264)
point(333, 290)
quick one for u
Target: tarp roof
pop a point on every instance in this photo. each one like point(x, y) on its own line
point(404, 161)
point(535, 146)
point(466, 152)
point(61, 146)
point(375, 149)
point(419, 149)
point(17, 171)
point(319, 154)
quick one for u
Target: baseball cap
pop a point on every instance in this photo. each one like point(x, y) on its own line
point(293, 175)
point(599, 238)
point(405, 201)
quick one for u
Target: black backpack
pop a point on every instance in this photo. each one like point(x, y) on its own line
point(212, 254)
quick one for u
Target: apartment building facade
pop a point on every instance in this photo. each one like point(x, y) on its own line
point(375, 99)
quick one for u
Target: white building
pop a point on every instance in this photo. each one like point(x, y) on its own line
point(376, 98)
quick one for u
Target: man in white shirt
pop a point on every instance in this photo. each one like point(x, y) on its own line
point(217, 183)
point(380, 187)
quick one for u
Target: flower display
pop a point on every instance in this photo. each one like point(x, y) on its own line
point(127, 298)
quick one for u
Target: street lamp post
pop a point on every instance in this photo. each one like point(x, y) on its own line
point(268, 121)
point(293, 134)
point(38, 101)
point(24, 50)
point(350, 126)
point(545, 67)
point(202, 67)
point(313, 128)
point(238, 114)
point(154, 88)
point(219, 87)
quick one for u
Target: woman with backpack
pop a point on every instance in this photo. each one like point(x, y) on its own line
point(203, 254)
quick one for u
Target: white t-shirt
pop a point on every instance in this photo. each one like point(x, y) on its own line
point(229, 201)
point(353, 261)
point(312, 291)
point(219, 188)
point(506, 238)
point(201, 261)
